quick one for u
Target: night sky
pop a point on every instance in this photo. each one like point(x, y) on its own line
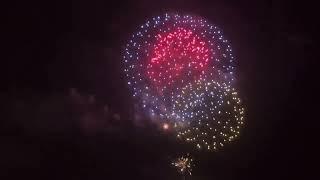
point(68, 113)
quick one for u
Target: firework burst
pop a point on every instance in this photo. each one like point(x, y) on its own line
point(169, 51)
point(208, 114)
point(181, 70)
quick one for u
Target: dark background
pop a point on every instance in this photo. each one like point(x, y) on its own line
point(61, 69)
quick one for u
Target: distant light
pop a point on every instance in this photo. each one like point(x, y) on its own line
point(165, 126)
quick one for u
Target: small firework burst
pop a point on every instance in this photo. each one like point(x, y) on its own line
point(183, 164)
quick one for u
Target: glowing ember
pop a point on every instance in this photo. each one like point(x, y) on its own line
point(165, 126)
